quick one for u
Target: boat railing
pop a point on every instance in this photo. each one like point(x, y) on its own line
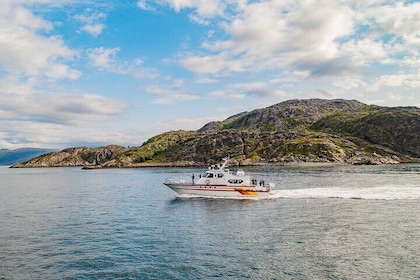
point(175, 181)
point(262, 183)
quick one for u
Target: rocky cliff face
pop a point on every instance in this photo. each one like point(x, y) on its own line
point(313, 130)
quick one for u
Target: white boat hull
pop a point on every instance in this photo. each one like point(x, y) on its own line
point(220, 191)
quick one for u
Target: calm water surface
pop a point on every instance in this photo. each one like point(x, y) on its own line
point(353, 222)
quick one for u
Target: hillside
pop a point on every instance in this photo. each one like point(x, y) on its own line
point(295, 131)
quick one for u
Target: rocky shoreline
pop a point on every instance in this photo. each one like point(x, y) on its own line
point(373, 160)
point(255, 164)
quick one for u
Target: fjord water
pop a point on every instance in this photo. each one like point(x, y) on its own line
point(341, 222)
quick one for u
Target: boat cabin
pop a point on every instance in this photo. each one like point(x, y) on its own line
point(223, 176)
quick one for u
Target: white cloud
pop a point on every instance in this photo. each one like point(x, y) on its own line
point(61, 108)
point(396, 80)
point(180, 123)
point(207, 81)
point(243, 90)
point(393, 98)
point(20, 16)
point(21, 133)
point(27, 48)
point(92, 24)
point(399, 19)
point(274, 35)
point(207, 64)
point(287, 77)
point(202, 7)
point(266, 93)
point(318, 38)
point(32, 117)
point(201, 10)
point(248, 86)
point(349, 82)
point(94, 29)
point(255, 89)
point(106, 59)
point(103, 58)
point(228, 93)
point(364, 52)
point(144, 5)
point(171, 93)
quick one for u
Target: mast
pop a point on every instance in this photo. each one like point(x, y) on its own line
point(225, 162)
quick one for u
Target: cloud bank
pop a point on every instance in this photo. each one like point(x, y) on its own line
point(116, 71)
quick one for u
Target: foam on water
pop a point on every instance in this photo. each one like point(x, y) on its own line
point(370, 193)
point(373, 193)
point(186, 196)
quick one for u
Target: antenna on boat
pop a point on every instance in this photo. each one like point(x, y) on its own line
point(225, 162)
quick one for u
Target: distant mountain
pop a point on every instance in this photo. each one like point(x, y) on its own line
point(295, 131)
point(9, 157)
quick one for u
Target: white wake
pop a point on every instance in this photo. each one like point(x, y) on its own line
point(373, 193)
point(370, 193)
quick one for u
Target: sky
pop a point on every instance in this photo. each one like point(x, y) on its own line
point(98, 72)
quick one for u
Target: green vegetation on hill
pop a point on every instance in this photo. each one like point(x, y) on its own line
point(295, 131)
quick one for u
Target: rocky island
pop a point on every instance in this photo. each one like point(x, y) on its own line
point(291, 132)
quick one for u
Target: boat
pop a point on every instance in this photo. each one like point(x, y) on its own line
point(219, 181)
